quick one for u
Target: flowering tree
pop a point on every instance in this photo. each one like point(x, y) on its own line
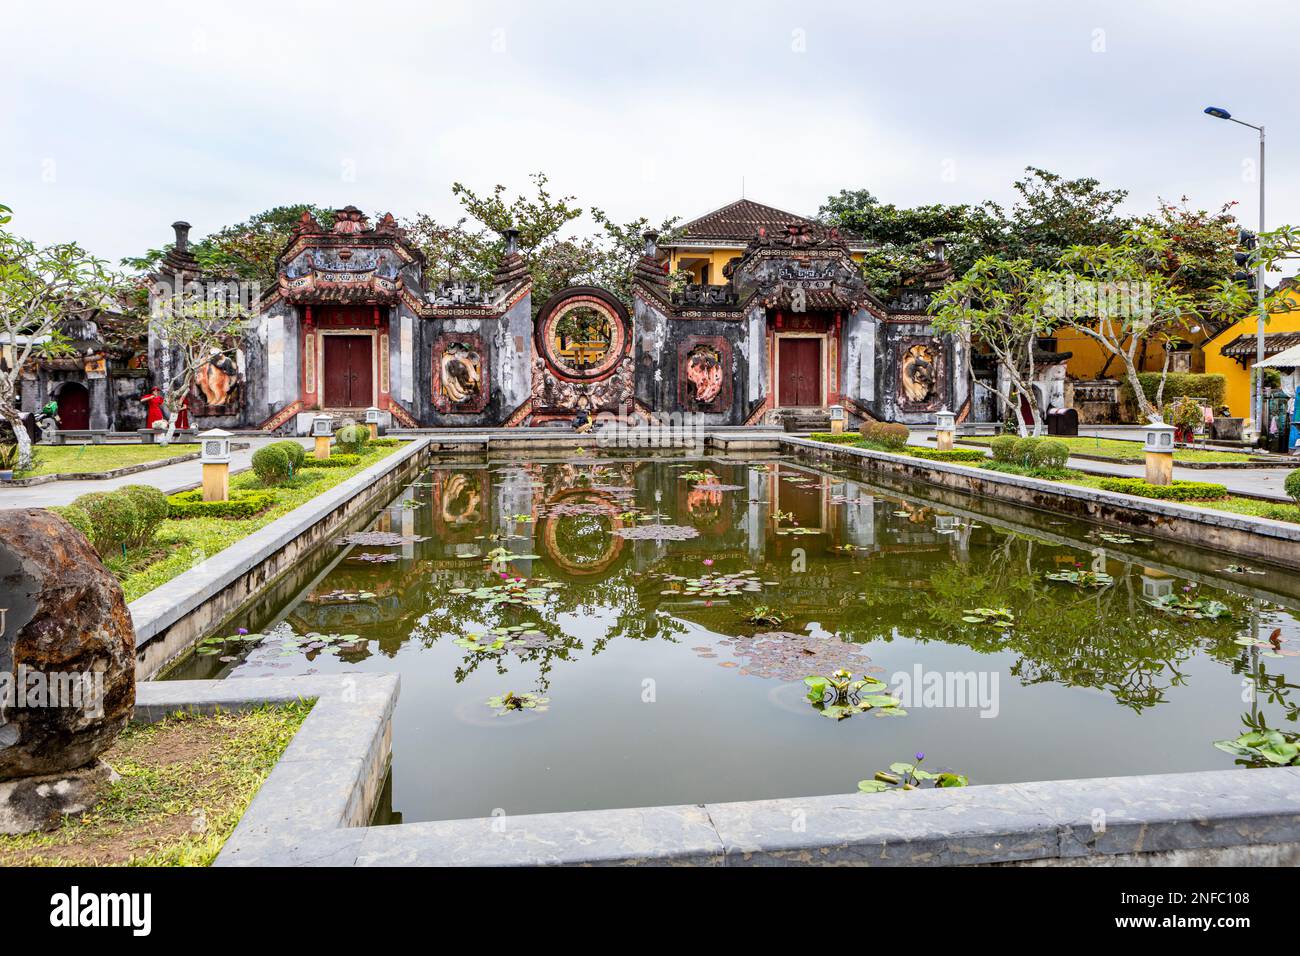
point(190, 329)
point(1002, 304)
point(40, 289)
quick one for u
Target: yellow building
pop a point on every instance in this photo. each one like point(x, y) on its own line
point(1231, 353)
point(705, 245)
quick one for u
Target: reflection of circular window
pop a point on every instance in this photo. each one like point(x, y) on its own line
point(582, 332)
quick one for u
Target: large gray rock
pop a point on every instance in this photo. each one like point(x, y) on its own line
point(64, 622)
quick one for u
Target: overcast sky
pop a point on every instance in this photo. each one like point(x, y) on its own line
point(119, 118)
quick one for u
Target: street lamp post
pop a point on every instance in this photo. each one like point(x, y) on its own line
point(1258, 384)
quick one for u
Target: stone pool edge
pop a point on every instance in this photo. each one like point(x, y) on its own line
point(171, 618)
point(313, 809)
point(1277, 542)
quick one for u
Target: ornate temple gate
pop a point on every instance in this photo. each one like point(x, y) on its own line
point(799, 370)
point(346, 343)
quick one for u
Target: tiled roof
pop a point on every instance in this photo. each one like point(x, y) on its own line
point(740, 221)
point(1243, 346)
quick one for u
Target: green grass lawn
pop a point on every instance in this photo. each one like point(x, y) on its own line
point(1117, 449)
point(89, 459)
point(185, 782)
point(180, 545)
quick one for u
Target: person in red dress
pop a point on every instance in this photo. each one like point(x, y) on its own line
point(153, 403)
point(183, 416)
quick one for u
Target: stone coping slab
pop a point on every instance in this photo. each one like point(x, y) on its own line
point(312, 809)
point(154, 612)
point(327, 782)
point(1165, 518)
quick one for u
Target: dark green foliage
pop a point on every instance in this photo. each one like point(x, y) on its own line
point(1048, 453)
point(113, 520)
point(295, 452)
point(151, 511)
point(271, 464)
point(1004, 447)
point(955, 454)
point(352, 439)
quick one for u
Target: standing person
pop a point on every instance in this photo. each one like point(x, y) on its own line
point(153, 403)
point(183, 416)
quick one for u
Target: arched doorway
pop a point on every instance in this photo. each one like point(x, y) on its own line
point(74, 406)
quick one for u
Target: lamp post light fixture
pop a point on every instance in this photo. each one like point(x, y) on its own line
point(1159, 449)
point(372, 420)
point(214, 455)
point(837, 419)
point(1257, 385)
point(945, 425)
point(322, 429)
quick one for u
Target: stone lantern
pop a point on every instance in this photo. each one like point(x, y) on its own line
point(1159, 449)
point(322, 429)
point(214, 454)
point(945, 425)
point(372, 420)
point(837, 419)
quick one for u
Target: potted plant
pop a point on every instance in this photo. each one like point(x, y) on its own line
point(1186, 416)
point(8, 461)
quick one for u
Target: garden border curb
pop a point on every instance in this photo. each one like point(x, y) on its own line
point(314, 807)
point(1264, 539)
point(170, 618)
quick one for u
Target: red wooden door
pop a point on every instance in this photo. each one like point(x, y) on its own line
point(347, 377)
point(800, 367)
point(74, 406)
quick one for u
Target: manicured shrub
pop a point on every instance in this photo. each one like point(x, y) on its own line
point(271, 464)
point(243, 503)
point(295, 453)
point(1178, 491)
point(892, 435)
point(151, 511)
point(333, 461)
point(1293, 485)
point(1049, 453)
point(1003, 447)
point(385, 442)
point(76, 517)
point(352, 438)
point(113, 520)
point(1022, 453)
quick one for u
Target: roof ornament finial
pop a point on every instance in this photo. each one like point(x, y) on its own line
point(182, 230)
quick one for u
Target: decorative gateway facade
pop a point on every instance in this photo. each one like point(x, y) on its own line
point(353, 324)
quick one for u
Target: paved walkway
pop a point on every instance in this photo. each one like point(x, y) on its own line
point(1259, 482)
point(169, 478)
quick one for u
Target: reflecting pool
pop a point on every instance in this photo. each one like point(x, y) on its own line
point(586, 631)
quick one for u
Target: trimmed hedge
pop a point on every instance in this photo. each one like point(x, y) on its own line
point(1028, 471)
point(333, 461)
point(1049, 453)
point(830, 438)
point(243, 503)
point(1206, 385)
point(1292, 485)
point(954, 454)
point(1178, 491)
point(385, 442)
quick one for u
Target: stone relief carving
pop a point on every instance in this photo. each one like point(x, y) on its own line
point(704, 374)
point(920, 375)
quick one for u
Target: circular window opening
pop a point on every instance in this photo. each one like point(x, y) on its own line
point(583, 337)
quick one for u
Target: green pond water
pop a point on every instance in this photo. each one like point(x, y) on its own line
point(657, 691)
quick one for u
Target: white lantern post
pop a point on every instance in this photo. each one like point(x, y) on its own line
point(1159, 449)
point(322, 429)
point(945, 425)
point(372, 420)
point(214, 454)
point(837, 419)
